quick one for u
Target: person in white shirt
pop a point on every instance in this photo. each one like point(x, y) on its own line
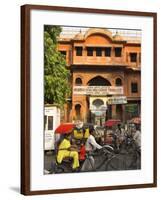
point(137, 137)
point(90, 146)
point(91, 143)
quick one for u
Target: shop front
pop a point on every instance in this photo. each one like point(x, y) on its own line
point(133, 109)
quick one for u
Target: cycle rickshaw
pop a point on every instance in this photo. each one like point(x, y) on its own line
point(85, 159)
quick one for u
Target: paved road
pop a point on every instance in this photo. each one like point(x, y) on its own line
point(48, 158)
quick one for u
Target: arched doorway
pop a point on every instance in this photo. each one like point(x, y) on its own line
point(99, 111)
point(98, 108)
point(78, 111)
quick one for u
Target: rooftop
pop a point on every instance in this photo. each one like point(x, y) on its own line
point(69, 33)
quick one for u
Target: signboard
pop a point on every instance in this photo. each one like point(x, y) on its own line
point(131, 108)
point(97, 90)
point(117, 100)
point(101, 108)
point(98, 112)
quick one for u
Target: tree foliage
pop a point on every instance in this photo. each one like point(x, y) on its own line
point(56, 75)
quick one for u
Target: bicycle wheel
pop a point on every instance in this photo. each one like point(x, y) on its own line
point(115, 163)
point(59, 169)
point(136, 161)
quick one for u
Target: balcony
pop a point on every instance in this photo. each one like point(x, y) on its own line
point(96, 60)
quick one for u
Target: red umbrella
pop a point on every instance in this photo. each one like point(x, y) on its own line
point(112, 122)
point(136, 120)
point(65, 128)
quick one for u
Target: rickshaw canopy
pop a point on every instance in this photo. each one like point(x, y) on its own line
point(112, 122)
point(65, 128)
point(136, 120)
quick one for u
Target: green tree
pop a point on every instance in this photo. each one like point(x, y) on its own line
point(56, 76)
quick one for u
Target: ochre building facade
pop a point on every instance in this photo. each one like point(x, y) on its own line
point(99, 60)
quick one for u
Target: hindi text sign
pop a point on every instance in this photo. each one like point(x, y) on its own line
point(97, 90)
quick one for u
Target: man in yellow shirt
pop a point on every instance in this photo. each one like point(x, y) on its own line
point(80, 132)
point(64, 150)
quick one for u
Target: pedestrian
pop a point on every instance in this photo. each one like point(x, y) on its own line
point(108, 135)
point(120, 136)
point(137, 136)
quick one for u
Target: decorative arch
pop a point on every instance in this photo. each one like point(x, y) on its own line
point(117, 77)
point(94, 31)
point(99, 81)
point(77, 102)
point(98, 103)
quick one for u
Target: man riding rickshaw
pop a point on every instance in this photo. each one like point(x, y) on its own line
point(114, 133)
point(80, 132)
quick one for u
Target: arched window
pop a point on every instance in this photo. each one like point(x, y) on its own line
point(78, 81)
point(98, 103)
point(99, 81)
point(118, 82)
point(78, 111)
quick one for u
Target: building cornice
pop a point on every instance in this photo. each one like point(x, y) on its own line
point(103, 68)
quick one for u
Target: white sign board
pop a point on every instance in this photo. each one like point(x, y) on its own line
point(98, 90)
point(117, 100)
point(101, 108)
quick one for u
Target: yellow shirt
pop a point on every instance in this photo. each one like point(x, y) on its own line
point(86, 135)
point(80, 134)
